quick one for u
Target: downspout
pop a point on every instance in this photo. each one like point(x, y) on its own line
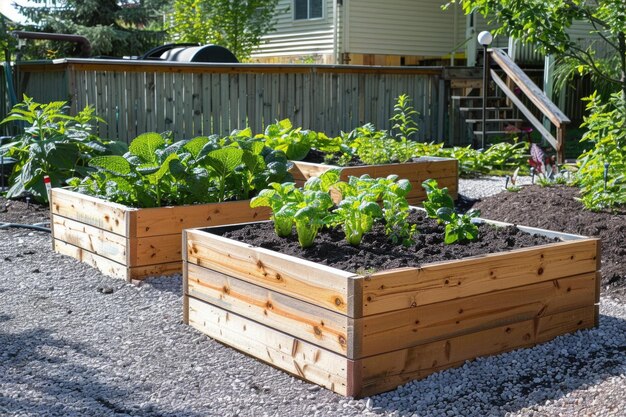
point(335, 32)
point(454, 33)
point(346, 28)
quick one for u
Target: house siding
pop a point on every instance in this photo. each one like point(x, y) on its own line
point(402, 27)
point(303, 38)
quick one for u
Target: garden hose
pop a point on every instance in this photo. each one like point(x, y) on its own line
point(37, 226)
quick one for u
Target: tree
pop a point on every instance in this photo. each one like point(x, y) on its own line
point(237, 25)
point(545, 23)
point(114, 27)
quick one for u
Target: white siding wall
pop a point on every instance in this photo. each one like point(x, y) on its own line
point(302, 37)
point(402, 27)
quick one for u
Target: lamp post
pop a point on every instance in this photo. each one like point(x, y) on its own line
point(485, 38)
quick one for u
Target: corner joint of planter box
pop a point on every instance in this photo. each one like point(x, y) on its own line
point(355, 296)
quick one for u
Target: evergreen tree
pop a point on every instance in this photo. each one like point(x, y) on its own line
point(114, 27)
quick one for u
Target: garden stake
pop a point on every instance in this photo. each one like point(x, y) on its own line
point(606, 174)
point(532, 175)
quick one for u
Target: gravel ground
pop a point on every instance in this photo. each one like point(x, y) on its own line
point(76, 343)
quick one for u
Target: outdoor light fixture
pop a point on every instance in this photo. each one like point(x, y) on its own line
point(485, 38)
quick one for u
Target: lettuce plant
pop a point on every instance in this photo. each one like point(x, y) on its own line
point(311, 215)
point(356, 215)
point(282, 200)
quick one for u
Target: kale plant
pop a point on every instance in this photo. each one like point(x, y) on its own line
point(156, 171)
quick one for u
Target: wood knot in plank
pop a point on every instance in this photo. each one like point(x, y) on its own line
point(342, 340)
point(226, 290)
point(338, 301)
point(106, 218)
point(540, 271)
point(317, 331)
point(269, 305)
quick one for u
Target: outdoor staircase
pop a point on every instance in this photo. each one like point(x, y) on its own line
point(501, 119)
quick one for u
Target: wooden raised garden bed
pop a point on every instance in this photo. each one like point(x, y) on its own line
point(361, 335)
point(444, 170)
point(132, 243)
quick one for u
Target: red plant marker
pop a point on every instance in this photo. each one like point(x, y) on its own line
point(46, 181)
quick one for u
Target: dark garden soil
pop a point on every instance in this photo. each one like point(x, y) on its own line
point(555, 208)
point(317, 157)
point(22, 212)
point(377, 253)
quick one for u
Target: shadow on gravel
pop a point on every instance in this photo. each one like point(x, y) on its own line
point(41, 374)
point(522, 378)
point(172, 284)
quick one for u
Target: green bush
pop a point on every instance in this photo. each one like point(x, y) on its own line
point(602, 169)
point(54, 144)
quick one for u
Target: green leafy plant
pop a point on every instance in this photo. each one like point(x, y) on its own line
point(53, 144)
point(436, 198)
point(156, 172)
point(311, 215)
point(404, 127)
point(294, 142)
point(356, 215)
point(281, 199)
point(459, 227)
point(396, 209)
point(602, 170)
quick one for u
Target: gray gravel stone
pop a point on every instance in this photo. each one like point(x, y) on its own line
point(70, 348)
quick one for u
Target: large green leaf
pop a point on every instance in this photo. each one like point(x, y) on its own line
point(112, 163)
point(225, 160)
point(297, 151)
point(144, 146)
point(165, 168)
point(195, 145)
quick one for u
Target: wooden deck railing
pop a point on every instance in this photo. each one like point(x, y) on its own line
point(536, 96)
point(193, 99)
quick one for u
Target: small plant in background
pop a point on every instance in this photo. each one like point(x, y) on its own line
point(53, 144)
point(404, 127)
point(510, 183)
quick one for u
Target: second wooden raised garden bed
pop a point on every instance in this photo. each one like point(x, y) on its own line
point(444, 170)
point(131, 243)
point(360, 335)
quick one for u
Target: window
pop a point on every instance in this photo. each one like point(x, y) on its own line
point(307, 9)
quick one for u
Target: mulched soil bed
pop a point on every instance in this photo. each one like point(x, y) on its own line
point(377, 253)
point(20, 211)
point(556, 208)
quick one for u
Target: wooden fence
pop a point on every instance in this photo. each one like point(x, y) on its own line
point(193, 99)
